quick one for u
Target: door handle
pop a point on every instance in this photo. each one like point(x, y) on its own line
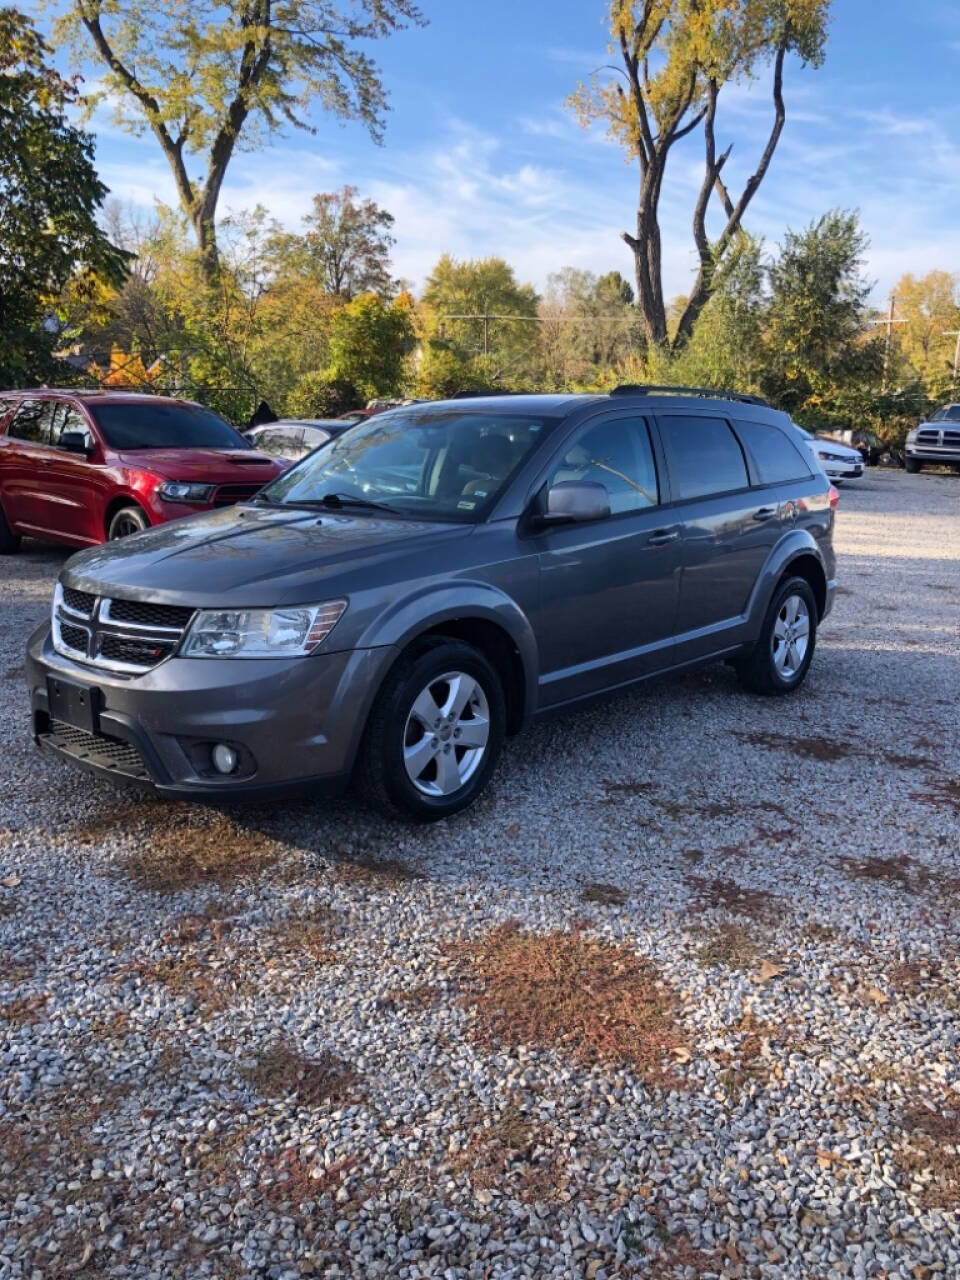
point(765, 513)
point(662, 536)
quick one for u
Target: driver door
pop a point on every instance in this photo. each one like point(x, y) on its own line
point(609, 589)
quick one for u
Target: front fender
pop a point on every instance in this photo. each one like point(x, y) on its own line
point(793, 545)
point(433, 604)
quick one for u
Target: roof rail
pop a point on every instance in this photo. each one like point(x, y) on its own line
point(711, 393)
point(479, 393)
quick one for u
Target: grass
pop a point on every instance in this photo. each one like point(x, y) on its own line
point(709, 894)
point(188, 975)
point(593, 1001)
point(24, 1010)
point(930, 1156)
point(732, 945)
point(180, 847)
point(370, 870)
point(511, 1154)
point(282, 1070)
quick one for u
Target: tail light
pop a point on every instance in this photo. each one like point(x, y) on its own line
point(834, 497)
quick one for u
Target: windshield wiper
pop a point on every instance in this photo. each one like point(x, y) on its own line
point(336, 500)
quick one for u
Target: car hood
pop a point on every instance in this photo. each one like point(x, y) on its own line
point(834, 446)
point(248, 556)
point(210, 466)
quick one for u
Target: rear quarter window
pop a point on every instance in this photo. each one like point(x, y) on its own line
point(32, 422)
point(776, 458)
point(704, 456)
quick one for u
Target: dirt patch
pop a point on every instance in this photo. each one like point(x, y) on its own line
point(891, 870)
point(823, 750)
point(189, 975)
point(942, 793)
point(606, 895)
point(370, 870)
point(414, 998)
point(594, 1001)
point(617, 787)
point(24, 1010)
point(710, 894)
point(282, 1070)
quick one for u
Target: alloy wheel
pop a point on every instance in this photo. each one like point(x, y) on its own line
point(446, 734)
point(791, 636)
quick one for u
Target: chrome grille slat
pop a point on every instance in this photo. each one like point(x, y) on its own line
point(127, 636)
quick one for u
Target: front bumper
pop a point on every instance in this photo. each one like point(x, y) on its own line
point(294, 722)
point(842, 470)
point(933, 453)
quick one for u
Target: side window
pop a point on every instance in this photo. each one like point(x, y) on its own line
point(282, 442)
point(67, 418)
point(704, 456)
point(776, 457)
point(616, 454)
point(32, 422)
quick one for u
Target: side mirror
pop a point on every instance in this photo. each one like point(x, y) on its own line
point(574, 502)
point(77, 442)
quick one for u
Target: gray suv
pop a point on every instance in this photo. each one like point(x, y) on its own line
point(394, 605)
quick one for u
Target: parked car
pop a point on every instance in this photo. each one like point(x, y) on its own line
point(395, 604)
point(293, 438)
point(936, 441)
point(84, 467)
point(838, 461)
point(867, 443)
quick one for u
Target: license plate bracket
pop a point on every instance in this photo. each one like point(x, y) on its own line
point(75, 704)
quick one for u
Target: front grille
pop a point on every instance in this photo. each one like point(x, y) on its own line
point(74, 637)
point(952, 438)
point(227, 494)
point(78, 601)
point(149, 615)
point(928, 437)
point(96, 748)
point(134, 651)
point(124, 635)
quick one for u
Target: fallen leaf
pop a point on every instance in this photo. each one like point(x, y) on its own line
point(768, 970)
point(11, 882)
point(827, 1158)
point(877, 996)
point(681, 1054)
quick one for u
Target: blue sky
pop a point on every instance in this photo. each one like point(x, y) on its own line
point(482, 158)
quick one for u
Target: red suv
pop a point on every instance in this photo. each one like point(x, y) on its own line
point(84, 467)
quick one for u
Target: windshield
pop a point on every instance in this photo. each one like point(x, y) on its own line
point(450, 465)
point(949, 413)
point(145, 425)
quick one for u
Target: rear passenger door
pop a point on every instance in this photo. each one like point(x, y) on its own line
point(728, 529)
point(24, 455)
point(608, 588)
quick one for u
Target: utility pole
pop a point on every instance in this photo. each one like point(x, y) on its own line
point(889, 321)
point(955, 333)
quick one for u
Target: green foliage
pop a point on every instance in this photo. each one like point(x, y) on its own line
point(320, 395)
point(588, 325)
point(345, 249)
point(369, 342)
point(817, 340)
point(204, 75)
point(50, 196)
point(488, 286)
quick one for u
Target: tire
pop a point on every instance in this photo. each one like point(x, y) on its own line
point(126, 521)
point(912, 465)
point(415, 693)
point(772, 667)
point(9, 541)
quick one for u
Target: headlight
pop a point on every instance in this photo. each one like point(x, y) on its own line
point(261, 633)
point(180, 491)
point(832, 457)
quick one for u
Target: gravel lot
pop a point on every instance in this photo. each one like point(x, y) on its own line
point(289, 1040)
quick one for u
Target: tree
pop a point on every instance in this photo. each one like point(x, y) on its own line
point(345, 248)
point(369, 342)
point(50, 195)
point(929, 308)
point(589, 326)
point(818, 345)
point(201, 75)
point(674, 59)
point(480, 310)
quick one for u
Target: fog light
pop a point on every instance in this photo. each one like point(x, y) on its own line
point(224, 758)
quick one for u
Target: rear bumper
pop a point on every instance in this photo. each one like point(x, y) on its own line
point(295, 723)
